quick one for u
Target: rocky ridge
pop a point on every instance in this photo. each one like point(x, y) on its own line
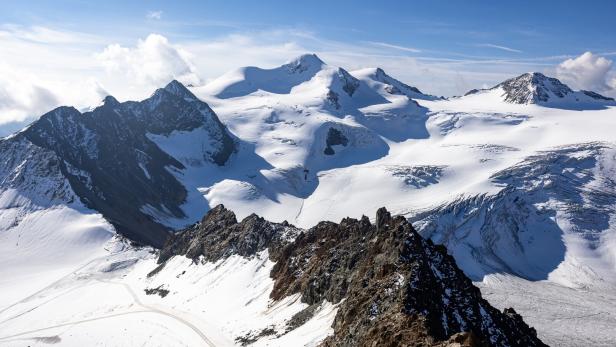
point(392, 287)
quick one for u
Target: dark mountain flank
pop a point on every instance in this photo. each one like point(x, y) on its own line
point(114, 167)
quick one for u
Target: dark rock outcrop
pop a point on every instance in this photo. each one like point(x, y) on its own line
point(334, 138)
point(392, 287)
point(219, 235)
point(349, 83)
point(597, 96)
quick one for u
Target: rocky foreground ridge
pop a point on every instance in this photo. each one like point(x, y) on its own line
point(392, 287)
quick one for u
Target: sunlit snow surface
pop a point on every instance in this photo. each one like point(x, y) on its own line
point(543, 242)
point(208, 304)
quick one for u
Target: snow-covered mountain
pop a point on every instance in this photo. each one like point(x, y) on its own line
point(279, 80)
point(515, 181)
point(378, 79)
point(109, 157)
point(536, 88)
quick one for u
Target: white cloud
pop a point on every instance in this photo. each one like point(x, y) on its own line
point(152, 62)
point(588, 71)
point(25, 96)
point(155, 15)
point(502, 48)
point(44, 35)
point(22, 96)
point(400, 48)
point(42, 68)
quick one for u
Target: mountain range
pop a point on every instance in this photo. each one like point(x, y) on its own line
point(511, 187)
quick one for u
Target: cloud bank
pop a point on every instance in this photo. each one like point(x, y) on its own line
point(588, 71)
point(152, 62)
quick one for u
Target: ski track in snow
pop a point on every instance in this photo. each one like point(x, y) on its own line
point(143, 308)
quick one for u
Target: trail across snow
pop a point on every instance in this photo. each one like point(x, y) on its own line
point(104, 301)
point(47, 295)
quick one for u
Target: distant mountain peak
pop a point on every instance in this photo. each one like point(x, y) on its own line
point(110, 101)
point(61, 112)
point(178, 89)
point(304, 62)
point(537, 88)
point(382, 76)
point(533, 87)
point(394, 86)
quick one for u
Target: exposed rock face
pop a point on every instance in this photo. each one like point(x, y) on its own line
point(531, 88)
point(349, 83)
point(114, 167)
point(40, 180)
point(393, 287)
point(219, 235)
point(334, 138)
point(596, 95)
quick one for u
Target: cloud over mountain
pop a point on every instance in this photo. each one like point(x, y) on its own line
point(152, 61)
point(588, 71)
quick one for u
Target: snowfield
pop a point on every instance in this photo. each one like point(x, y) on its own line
point(106, 302)
point(522, 195)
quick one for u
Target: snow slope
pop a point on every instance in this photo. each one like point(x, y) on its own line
point(45, 231)
point(212, 304)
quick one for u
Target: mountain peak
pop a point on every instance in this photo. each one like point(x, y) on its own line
point(394, 86)
point(304, 62)
point(380, 73)
point(532, 88)
point(537, 88)
point(61, 112)
point(110, 101)
point(178, 89)
point(536, 78)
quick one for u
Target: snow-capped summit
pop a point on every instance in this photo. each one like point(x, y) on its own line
point(304, 63)
point(537, 88)
point(379, 79)
point(279, 80)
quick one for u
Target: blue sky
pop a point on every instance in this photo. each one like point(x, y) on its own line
point(75, 51)
point(438, 28)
